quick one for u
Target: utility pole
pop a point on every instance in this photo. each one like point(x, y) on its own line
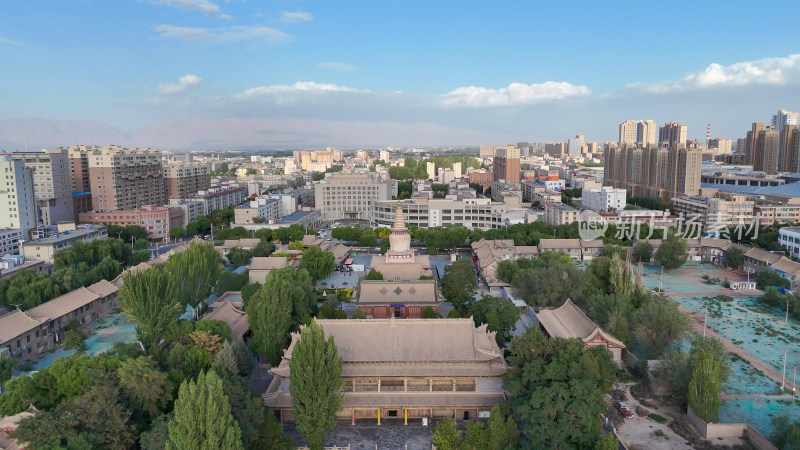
point(783, 378)
point(787, 310)
point(705, 317)
point(794, 383)
point(133, 239)
point(661, 281)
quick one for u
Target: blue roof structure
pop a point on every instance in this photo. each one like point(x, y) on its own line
point(295, 216)
point(784, 190)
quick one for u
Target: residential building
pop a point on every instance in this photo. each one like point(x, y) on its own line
point(731, 210)
point(261, 209)
point(789, 239)
point(486, 151)
point(124, 178)
point(768, 152)
point(720, 145)
point(446, 176)
point(784, 118)
point(17, 197)
point(777, 214)
point(505, 165)
point(10, 240)
point(430, 213)
point(574, 146)
point(219, 197)
point(508, 193)
point(79, 167)
point(27, 334)
point(81, 203)
point(672, 133)
point(157, 220)
point(481, 177)
point(52, 184)
point(552, 183)
point(752, 146)
point(393, 370)
point(430, 168)
point(457, 170)
point(190, 209)
point(344, 196)
point(182, 180)
point(557, 213)
point(654, 172)
point(637, 132)
point(604, 199)
point(555, 149)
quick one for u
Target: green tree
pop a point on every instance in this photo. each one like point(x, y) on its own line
point(607, 442)
point(263, 248)
point(642, 251)
point(734, 257)
point(140, 256)
point(249, 291)
point(786, 435)
point(177, 232)
point(239, 257)
point(503, 433)
point(196, 270)
point(231, 281)
point(270, 314)
point(244, 359)
point(150, 297)
point(318, 263)
point(549, 280)
point(505, 314)
point(156, 437)
point(74, 339)
point(373, 275)
point(246, 407)
point(671, 254)
point(225, 361)
point(145, 386)
point(359, 314)
point(459, 284)
point(203, 417)
point(557, 389)
point(296, 245)
point(315, 384)
point(659, 323)
point(447, 436)
point(218, 327)
point(704, 388)
point(770, 278)
point(7, 366)
point(680, 365)
point(429, 313)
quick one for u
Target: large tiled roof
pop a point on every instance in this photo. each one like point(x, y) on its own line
point(547, 244)
point(64, 304)
point(568, 321)
point(268, 263)
point(409, 340)
point(765, 256)
point(16, 323)
point(397, 292)
point(235, 318)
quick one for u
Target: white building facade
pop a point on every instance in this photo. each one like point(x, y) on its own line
point(604, 199)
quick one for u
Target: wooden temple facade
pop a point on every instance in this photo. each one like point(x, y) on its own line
point(407, 370)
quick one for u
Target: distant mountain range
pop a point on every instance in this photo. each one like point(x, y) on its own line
point(234, 133)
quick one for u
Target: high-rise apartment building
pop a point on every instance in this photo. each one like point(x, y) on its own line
point(637, 132)
point(574, 146)
point(430, 168)
point(720, 145)
point(654, 172)
point(753, 144)
point(457, 169)
point(52, 184)
point(17, 200)
point(345, 196)
point(486, 151)
point(125, 178)
point(506, 164)
point(672, 133)
point(79, 166)
point(783, 118)
point(555, 149)
point(182, 180)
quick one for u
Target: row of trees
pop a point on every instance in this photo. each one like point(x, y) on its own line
point(157, 296)
point(82, 264)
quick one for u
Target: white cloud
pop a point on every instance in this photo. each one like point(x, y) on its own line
point(9, 41)
point(203, 6)
point(514, 94)
point(767, 71)
point(185, 83)
point(296, 17)
point(299, 87)
point(222, 35)
point(336, 66)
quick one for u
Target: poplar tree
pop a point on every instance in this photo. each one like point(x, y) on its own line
point(196, 270)
point(705, 385)
point(150, 297)
point(315, 383)
point(203, 418)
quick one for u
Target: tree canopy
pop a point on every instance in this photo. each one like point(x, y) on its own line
point(459, 284)
point(318, 263)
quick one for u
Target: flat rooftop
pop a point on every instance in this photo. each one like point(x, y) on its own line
point(67, 236)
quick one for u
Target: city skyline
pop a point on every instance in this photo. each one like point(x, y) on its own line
point(203, 74)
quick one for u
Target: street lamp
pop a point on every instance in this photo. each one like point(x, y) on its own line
point(133, 239)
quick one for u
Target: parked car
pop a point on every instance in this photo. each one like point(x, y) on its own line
point(623, 408)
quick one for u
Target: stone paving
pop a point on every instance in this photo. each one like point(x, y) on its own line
point(366, 434)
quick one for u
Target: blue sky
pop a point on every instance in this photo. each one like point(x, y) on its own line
point(284, 74)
